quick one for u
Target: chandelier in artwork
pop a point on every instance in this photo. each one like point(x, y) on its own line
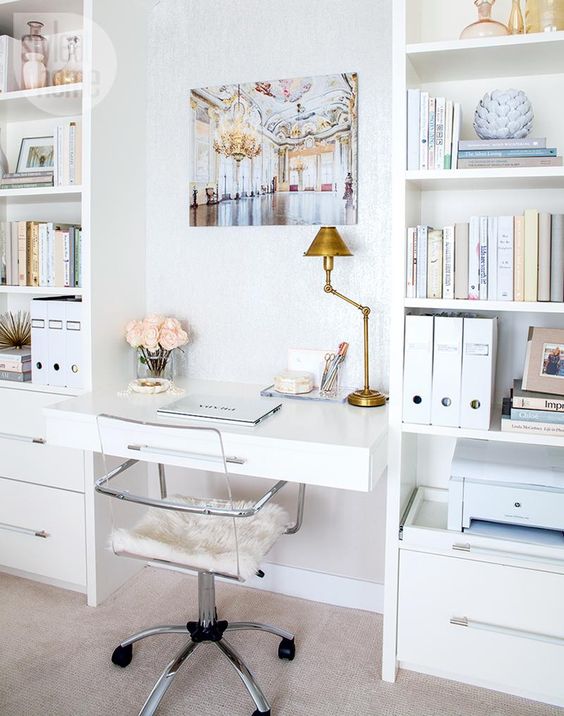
point(236, 138)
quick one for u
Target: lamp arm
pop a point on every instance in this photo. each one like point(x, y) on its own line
point(329, 289)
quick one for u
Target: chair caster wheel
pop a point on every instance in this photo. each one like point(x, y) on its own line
point(287, 649)
point(122, 655)
point(262, 713)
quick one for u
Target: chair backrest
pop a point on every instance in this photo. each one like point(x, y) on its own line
point(184, 530)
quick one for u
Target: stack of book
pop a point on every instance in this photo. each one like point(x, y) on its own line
point(26, 180)
point(506, 153)
point(433, 131)
point(15, 364)
point(535, 413)
point(493, 258)
point(34, 253)
point(68, 154)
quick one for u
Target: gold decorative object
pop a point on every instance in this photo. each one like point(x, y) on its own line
point(328, 244)
point(515, 24)
point(484, 26)
point(15, 330)
point(71, 72)
point(236, 138)
point(544, 15)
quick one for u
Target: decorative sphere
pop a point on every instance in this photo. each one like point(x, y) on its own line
point(504, 114)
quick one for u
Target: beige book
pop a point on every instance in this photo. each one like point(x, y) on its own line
point(461, 261)
point(519, 258)
point(531, 254)
point(33, 229)
point(22, 253)
point(435, 264)
point(59, 258)
point(545, 221)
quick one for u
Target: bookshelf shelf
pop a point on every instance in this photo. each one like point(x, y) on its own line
point(493, 306)
point(535, 54)
point(42, 290)
point(12, 385)
point(63, 192)
point(480, 179)
point(25, 105)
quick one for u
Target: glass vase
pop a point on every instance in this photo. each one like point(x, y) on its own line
point(35, 42)
point(155, 364)
point(71, 73)
point(515, 24)
point(485, 26)
point(544, 15)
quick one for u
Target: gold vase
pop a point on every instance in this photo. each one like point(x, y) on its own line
point(544, 15)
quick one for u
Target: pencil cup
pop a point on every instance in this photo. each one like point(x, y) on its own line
point(330, 387)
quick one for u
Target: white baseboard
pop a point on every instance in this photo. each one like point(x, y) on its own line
point(321, 587)
point(44, 580)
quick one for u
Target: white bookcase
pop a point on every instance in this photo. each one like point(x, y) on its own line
point(508, 592)
point(110, 206)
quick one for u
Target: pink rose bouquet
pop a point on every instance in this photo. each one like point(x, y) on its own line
point(155, 338)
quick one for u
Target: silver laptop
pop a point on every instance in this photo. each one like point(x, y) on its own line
point(236, 411)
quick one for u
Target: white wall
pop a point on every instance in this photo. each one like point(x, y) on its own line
point(247, 292)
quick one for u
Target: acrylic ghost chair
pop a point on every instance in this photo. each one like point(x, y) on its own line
point(215, 537)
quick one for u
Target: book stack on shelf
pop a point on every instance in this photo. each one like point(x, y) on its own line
point(506, 153)
point(42, 254)
point(433, 131)
point(15, 364)
point(26, 180)
point(531, 412)
point(493, 258)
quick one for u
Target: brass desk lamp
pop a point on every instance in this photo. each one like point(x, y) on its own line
point(328, 243)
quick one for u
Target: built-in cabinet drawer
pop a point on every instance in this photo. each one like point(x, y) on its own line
point(485, 623)
point(42, 531)
point(24, 455)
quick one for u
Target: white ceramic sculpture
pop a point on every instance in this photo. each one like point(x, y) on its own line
point(503, 114)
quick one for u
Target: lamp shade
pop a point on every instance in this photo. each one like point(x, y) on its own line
point(328, 242)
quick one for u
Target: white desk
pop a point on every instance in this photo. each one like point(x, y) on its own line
point(326, 444)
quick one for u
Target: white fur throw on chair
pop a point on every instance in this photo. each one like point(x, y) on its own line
point(204, 542)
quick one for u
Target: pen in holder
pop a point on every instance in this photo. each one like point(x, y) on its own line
point(331, 373)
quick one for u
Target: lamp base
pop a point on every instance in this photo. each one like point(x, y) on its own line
point(367, 398)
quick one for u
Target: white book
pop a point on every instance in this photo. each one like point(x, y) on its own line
point(505, 258)
point(421, 250)
point(8, 253)
point(431, 136)
point(461, 260)
point(492, 258)
point(456, 128)
point(478, 372)
point(557, 259)
point(474, 259)
point(449, 111)
point(448, 262)
point(413, 112)
point(447, 371)
point(483, 258)
point(440, 113)
point(424, 131)
point(43, 255)
point(410, 263)
point(418, 369)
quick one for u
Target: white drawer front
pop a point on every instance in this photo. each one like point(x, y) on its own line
point(514, 639)
point(57, 513)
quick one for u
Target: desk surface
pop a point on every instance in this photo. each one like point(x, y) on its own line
point(330, 444)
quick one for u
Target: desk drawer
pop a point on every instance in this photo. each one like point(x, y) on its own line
point(492, 624)
point(26, 509)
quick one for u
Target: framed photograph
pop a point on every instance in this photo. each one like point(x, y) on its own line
point(544, 361)
point(37, 154)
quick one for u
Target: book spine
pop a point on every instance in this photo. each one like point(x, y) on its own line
point(435, 264)
point(474, 259)
point(456, 128)
point(78, 255)
point(431, 135)
point(521, 426)
point(531, 254)
point(448, 262)
point(3, 63)
point(557, 258)
point(543, 293)
point(440, 111)
point(537, 416)
point(34, 228)
point(424, 131)
point(483, 289)
point(3, 263)
point(66, 258)
point(15, 377)
point(72, 153)
point(410, 290)
point(9, 253)
point(14, 366)
point(413, 111)
point(505, 258)
point(511, 153)
point(22, 253)
point(422, 261)
point(461, 261)
point(448, 133)
point(50, 254)
point(481, 144)
point(510, 163)
point(552, 405)
point(519, 258)
point(491, 288)
point(43, 269)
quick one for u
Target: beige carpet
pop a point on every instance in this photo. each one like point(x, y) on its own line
point(55, 658)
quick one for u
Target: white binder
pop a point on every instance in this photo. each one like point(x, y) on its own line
point(39, 342)
point(418, 369)
point(478, 372)
point(56, 314)
point(447, 371)
point(72, 372)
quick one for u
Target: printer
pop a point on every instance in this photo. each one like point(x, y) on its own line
point(506, 483)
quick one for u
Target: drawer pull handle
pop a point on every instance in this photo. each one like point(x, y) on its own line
point(488, 551)
point(23, 438)
point(508, 631)
point(194, 455)
point(24, 530)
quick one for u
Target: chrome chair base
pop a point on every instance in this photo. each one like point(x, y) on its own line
point(208, 629)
